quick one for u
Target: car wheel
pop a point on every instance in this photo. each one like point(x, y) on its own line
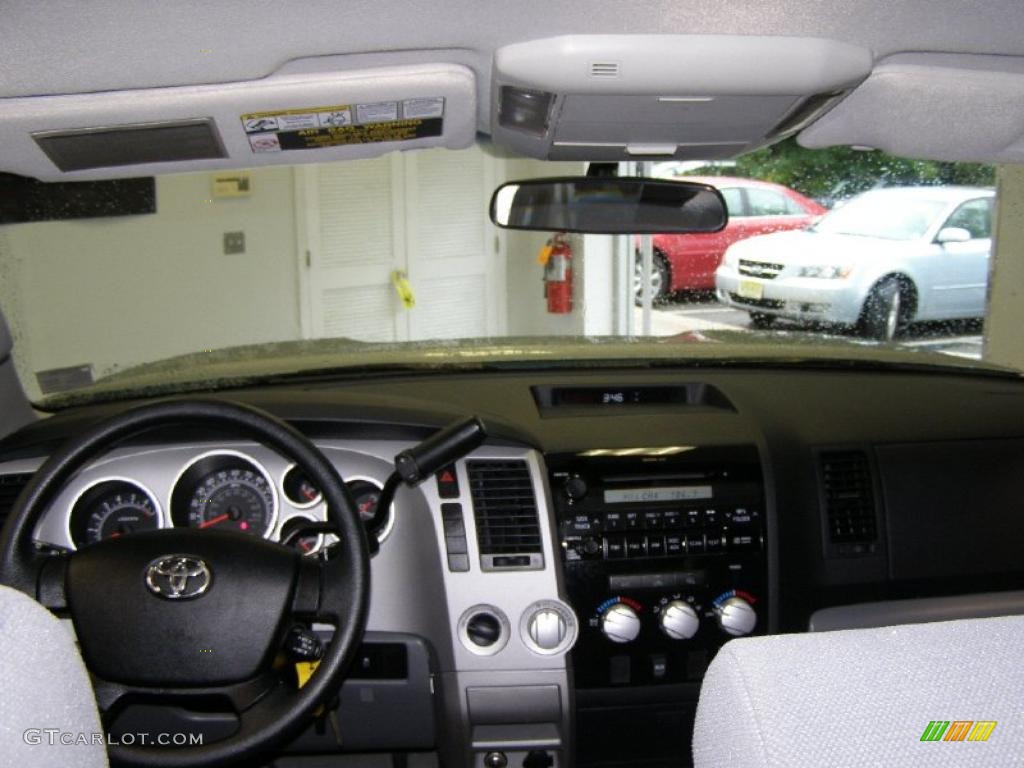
point(661, 278)
point(885, 311)
point(761, 321)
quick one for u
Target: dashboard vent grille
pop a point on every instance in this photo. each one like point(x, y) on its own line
point(849, 500)
point(10, 487)
point(505, 510)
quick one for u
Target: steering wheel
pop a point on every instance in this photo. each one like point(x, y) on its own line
point(180, 616)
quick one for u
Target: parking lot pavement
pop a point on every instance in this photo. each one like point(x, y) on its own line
point(704, 313)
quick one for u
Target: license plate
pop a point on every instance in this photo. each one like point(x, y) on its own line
point(749, 289)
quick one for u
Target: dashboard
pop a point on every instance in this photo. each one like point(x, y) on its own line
point(554, 597)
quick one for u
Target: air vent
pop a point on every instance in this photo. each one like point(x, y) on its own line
point(505, 510)
point(10, 487)
point(849, 500)
point(604, 69)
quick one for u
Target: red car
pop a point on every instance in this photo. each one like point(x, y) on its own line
point(688, 262)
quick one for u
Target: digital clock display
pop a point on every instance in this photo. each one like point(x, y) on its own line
point(612, 396)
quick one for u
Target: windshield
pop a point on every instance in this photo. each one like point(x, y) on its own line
point(888, 216)
point(196, 280)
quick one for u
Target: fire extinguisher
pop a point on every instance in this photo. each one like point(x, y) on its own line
point(556, 256)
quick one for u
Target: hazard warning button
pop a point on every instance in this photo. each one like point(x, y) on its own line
point(448, 483)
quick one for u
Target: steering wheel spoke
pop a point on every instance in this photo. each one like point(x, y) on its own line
point(51, 580)
point(239, 698)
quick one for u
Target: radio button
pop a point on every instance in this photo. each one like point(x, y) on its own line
point(743, 516)
point(744, 542)
point(636, 546)
point(714, 541)
point(695, 543)
point(655, 546)
point(675, 545)
point(613, 521)
point(672, 519)
point(633, 520)
point(710, 516)
point(652, 520)
point(583, 524)
point(693, 518)
point(614, 547)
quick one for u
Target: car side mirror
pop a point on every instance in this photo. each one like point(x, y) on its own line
point(952, 235)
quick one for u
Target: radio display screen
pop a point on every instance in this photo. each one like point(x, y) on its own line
point(665, 493)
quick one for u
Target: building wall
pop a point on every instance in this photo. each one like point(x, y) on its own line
point(114, 292)
point(1004, 340)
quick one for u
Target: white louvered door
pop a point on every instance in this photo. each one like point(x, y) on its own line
point(352, 227)
point(423, 213)
point(451, 244)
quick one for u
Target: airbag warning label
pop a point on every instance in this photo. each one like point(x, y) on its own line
point(321, 127)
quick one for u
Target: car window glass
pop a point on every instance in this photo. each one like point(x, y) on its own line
point(765, 202)
point(793, 207)
point(733, 201)
point(975, 216)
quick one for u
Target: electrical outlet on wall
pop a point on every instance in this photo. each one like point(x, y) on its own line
point(234, 242)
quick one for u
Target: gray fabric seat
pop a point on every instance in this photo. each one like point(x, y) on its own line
point(866, 697)
point(43, 685)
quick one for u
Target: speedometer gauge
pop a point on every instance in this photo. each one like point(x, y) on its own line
point(225, 492)
point(111, 509)
point(233, 499)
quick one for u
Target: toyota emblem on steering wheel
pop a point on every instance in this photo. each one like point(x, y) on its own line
point(178, 577)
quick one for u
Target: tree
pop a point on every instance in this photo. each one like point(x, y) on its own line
point(837, 173)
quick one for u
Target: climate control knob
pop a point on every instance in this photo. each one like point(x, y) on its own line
point(679, 621)
point(736, 616)
point(620, 623)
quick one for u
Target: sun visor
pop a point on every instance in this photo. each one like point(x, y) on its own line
point(284, 119)
point(951, 107)
point(630, 97)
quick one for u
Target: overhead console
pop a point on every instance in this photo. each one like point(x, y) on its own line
point(664, 555)
point(629, 97)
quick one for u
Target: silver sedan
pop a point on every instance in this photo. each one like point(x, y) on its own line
point(881, 261)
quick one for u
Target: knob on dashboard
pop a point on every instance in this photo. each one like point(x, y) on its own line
point(575, 488)
point(736, 617)
point(679, 621)
point(620, 624)
point(547, 629)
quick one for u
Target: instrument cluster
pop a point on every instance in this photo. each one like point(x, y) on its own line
point(223, 490)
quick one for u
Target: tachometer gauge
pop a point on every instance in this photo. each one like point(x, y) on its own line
point(111, 509)
point(227, 493)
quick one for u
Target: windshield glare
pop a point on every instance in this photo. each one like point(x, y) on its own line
point(237, 274)
point(888, 216)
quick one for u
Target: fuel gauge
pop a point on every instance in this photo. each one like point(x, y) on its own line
point(299, 489)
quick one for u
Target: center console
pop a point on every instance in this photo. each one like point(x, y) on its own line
point(664, 558)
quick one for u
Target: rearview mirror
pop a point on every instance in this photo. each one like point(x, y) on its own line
point(952, 235)
point(609, 206)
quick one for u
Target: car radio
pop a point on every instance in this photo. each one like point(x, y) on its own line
point(664, 556)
